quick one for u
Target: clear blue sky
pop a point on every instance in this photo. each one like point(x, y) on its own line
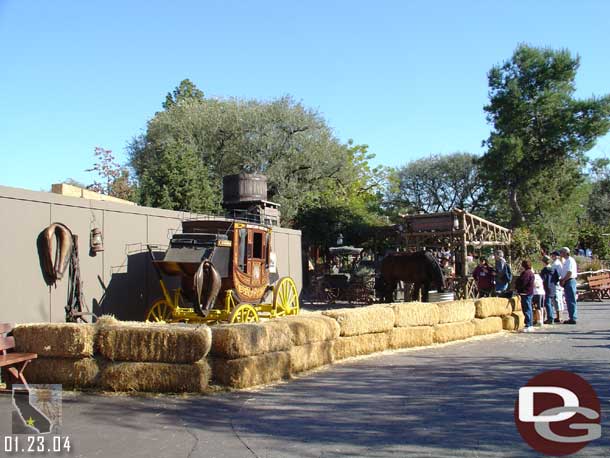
point(406, 77)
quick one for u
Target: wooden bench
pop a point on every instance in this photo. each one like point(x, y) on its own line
point(599, 286)
point(15, 363)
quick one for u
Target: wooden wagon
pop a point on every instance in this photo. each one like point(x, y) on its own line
point(228, 274)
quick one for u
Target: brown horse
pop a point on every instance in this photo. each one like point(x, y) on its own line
point(419, 268)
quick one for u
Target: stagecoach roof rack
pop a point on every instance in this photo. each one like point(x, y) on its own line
point(241, 216)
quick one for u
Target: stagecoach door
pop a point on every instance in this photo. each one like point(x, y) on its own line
point(257, 251)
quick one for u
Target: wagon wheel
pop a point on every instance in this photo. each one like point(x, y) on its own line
point(159, 311)
point(244, 313)
point(285, 298)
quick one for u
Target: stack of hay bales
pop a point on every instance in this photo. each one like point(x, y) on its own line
point(414, 324)
point(250, 354)
point(363, 330)
point(455, 321)
point(516, 319)
point(65, 353)
point(153, 357)
point(313, 338)
point(489, 315)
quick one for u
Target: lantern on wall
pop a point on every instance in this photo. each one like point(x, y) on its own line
point(96, 241)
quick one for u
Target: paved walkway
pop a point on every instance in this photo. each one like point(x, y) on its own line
point(451, 401)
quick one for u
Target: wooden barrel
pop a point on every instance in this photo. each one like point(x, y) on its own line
point(244, 187)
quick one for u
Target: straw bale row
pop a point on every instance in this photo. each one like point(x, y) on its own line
point(310, 356)
point(251, 370)
point(363, 320)
point(514, 321)
point(153, 342)
point(364, 344)
point(311, 327)
point(488, 325)
point(449, 332)
point(69, 372)
point(456, 311)
point(57, 340)
point(156, 377)
point(492, 306)
point(515, 303)
point(233, 341)
point(415, 314)
point(407, 337)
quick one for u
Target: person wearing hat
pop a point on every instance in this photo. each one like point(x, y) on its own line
point(503, 273)
point(549, 279)
point(569, 273)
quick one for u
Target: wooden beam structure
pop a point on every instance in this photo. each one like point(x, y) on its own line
point(458, 229)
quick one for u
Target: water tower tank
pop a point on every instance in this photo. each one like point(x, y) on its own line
point(244, 187)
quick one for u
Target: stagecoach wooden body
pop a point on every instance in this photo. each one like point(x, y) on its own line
point(228, 274)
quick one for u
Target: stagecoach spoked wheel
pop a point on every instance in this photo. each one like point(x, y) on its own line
point(285, 297)
point(243, 313)
point(159, 311)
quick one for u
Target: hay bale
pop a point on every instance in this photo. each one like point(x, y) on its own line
point(363, 320)
point(492, 306)
point(456, 311)
point(488, 325)
point(69, 372)
point(57, 340)
point(416, 314)
point(310, 356)
point(364, 344)
point(312, 327)
point(233, 341)
point(515, 303)
point(156, 377)
point(415, 336)
point(514, 321)
point(449, 332)
point(251, 370)
point(153, 342)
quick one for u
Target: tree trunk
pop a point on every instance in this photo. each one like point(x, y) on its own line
point(517, 217)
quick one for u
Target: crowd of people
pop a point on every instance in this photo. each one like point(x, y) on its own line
point(544, 295)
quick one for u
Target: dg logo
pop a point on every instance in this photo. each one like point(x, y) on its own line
point(558, 413)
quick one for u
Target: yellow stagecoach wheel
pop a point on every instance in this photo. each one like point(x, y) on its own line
point(285, 297)
point(159, 311)
point(243, 313)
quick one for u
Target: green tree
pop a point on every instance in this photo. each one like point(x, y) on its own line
point(537, 123)
point(305, 164)
point(186, 90)
point(598, 205)
point(177, 180)
point(438, 183)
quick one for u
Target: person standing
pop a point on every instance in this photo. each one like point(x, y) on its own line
point(538, 299)
point(558, 301)
point(483, 274)
point(503, 273)
point(525, 288)
point(569, 272)
point(549, 280)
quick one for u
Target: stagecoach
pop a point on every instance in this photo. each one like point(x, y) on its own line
point(228, 274)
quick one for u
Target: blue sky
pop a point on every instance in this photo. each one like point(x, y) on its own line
point(408, 78)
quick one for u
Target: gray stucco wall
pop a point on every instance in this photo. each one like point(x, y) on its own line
point(123, 266)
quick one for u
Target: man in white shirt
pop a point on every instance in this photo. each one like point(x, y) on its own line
point(569, 272)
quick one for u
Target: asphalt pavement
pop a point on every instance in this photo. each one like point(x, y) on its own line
point(455, 400)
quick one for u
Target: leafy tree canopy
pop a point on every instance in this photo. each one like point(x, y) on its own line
point(305, 164)
point(537, 123)
point(438, 183)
